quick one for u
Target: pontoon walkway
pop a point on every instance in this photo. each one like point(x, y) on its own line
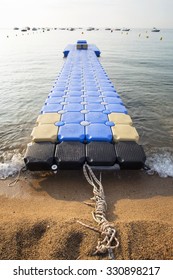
point(83, 119)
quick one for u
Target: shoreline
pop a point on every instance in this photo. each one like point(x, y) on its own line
point(39, 216)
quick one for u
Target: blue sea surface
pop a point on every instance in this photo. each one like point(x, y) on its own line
point(139, 63)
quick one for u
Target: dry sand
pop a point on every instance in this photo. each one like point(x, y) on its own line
point(38, 216)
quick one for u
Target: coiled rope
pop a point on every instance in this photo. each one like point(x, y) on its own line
point(108, 240)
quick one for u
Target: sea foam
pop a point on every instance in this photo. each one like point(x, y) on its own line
point(161, 162)
point(11, 164)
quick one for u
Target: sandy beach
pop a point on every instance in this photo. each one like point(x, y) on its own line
point(39, 216)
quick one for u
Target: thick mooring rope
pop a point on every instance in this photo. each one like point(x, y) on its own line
point(107, 230)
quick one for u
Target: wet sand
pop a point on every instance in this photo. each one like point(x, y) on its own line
point(38, 216)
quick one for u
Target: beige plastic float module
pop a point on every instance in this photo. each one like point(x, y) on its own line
point(45, 133)
point(48, 118)
point(120, 118)
point(123, 132)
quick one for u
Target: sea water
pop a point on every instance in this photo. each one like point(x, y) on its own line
point(139, 63)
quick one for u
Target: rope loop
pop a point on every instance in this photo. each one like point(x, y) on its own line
point(17, 179)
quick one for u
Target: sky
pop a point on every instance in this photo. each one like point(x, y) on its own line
point(86, 13)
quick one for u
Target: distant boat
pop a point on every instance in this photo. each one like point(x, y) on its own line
point(90, 28)
point(108, 28)
point(117, 29)
point(155, 30)
point(34, 29)
point(126, 29)
point(16, 28)
point(24, 30)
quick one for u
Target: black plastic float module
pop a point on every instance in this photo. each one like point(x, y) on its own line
point(39, 156)
point(130, 155)
point(83, 120)
point(100, 154)
point(70, 155)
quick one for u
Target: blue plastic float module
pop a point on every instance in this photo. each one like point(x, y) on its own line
point(54, 100)
point(83, 131)
point(84, 96)
point(98, 132)
point(51, 108)
point(73, 117)
point(71, 132)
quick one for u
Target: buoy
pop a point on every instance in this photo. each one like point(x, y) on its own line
point(139, 34)
point(147, 37)
point(161, 38)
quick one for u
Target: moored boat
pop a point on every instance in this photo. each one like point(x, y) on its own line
point(126, 29)
point(155, 30)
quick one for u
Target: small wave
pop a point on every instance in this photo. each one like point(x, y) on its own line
point(10, 164)
point(161, 162)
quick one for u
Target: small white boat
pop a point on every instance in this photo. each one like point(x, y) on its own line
point(155, 30)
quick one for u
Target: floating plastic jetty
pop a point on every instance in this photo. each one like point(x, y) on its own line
point(83, 120)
